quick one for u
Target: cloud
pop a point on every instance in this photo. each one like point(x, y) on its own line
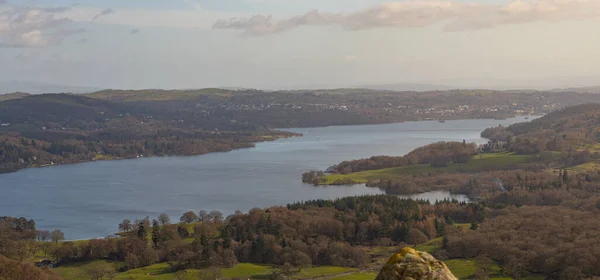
point(134, 31)
point(454, 16)
point(350, 57)
point(22, 26)
point(102, 13)
point(144, 18)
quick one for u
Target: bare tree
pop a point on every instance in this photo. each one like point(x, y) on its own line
point(202, 215)
point(42, 235)
point(164, 219)
point(57, 236)
point(102, 271)
point(217, 216)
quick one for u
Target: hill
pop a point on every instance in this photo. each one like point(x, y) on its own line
point(47, 129)
point(155, 94)
point(14, 95)
point(39, 88)
point(578, 125)
point(64, 109)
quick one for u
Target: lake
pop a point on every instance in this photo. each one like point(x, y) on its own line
point(89, 200)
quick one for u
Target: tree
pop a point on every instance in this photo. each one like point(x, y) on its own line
point(202, 215)
point(164, 219)
point(188, 217)
point(416, 236)
point(155, 232)
point(514, 267)
point(57, 236)
point(216, 216)
point(42, 235)
point(142, 232)
point(565, 177)
point(125, 225)
point(484, 267)
point(101, 271)
point(301, 260)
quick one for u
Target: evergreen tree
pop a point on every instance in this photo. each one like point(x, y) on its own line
point(565, 177)
point(142, 232)
point(155, 232)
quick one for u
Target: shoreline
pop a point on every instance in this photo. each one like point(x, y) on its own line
point(266, 138)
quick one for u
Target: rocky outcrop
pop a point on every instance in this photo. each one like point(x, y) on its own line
point(409, 264)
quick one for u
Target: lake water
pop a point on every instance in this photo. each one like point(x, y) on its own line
point(89, 200)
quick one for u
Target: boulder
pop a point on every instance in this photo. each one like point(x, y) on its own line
point(409, 264)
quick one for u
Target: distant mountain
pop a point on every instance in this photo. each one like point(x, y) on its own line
point(38, 88)
point(410, 87)
point(595, 89)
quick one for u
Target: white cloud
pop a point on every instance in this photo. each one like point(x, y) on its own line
point(420, 13)
point(32, 27)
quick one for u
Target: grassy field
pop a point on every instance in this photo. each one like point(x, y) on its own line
point(431, 245)
point(161, 271)
point(358, 276)
point(322, 271)
point(461, 268)
point(477, 163)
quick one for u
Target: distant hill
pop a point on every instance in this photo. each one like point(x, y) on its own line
point(10, 96)
point(38, 88)
point(579, 89)
point(410, 87)
point(155, 94)
point(60, 108)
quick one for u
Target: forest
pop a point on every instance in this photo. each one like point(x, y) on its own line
point(293, 237)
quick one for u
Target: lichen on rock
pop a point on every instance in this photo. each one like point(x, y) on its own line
point(409, 264)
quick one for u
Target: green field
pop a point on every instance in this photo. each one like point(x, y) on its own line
point(477, 163)
point(161, 271)
point(322, 271)
point(431, 245)
point(358, 276)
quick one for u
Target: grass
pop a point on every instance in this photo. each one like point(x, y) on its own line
point(430, 246)
point(321, 271)
point(477, 163)
point(465, 269)
point(358, 276)
point(79, 271)
point(248, 270)
point(462, 268)
point(161, 271)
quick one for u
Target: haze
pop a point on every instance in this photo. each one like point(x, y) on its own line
point(300, 43)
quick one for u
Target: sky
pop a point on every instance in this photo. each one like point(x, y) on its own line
point(134, 44)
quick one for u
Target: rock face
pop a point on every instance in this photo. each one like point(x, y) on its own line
point(409, 264)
